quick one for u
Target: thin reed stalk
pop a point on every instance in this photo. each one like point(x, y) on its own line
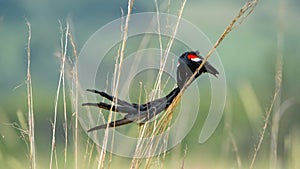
point(168, 49)
point(278, 83)
point(63, 53)
point(116, 79)
point(60, 83)
point(264, 128)
point(76, 88)
point(32, 157)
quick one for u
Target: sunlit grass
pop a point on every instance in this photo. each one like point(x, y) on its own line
point(76, 150)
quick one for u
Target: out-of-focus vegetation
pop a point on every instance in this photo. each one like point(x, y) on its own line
point(248, 54)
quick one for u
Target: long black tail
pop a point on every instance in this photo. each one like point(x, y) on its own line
point(134, 112)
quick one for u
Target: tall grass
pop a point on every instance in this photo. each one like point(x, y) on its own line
point(148, 130)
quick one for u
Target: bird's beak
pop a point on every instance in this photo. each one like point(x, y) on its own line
point(210, 69)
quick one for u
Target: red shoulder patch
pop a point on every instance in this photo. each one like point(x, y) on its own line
point(193, 57)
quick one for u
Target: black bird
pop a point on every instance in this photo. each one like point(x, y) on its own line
point(188, 63)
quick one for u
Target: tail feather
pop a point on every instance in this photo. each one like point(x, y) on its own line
point(111, 124)
point(109, 97)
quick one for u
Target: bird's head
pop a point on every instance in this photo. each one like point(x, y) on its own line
point(188, 63)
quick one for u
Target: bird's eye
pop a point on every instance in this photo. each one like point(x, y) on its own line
point(194, 57)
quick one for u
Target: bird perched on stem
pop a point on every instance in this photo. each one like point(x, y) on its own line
point(188, 63)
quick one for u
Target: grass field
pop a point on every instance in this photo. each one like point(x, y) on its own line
point(40, 122)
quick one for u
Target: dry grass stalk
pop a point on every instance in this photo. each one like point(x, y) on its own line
point(63, 53)
point(61, 82)
point(264, 128)
point(76, 87)
point(116, 79)
point(276, 96)
point(31, 137)
point(278, 83)
point(159, 33)
point(169, 46)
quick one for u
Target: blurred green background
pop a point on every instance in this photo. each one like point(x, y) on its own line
point(248, 55)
